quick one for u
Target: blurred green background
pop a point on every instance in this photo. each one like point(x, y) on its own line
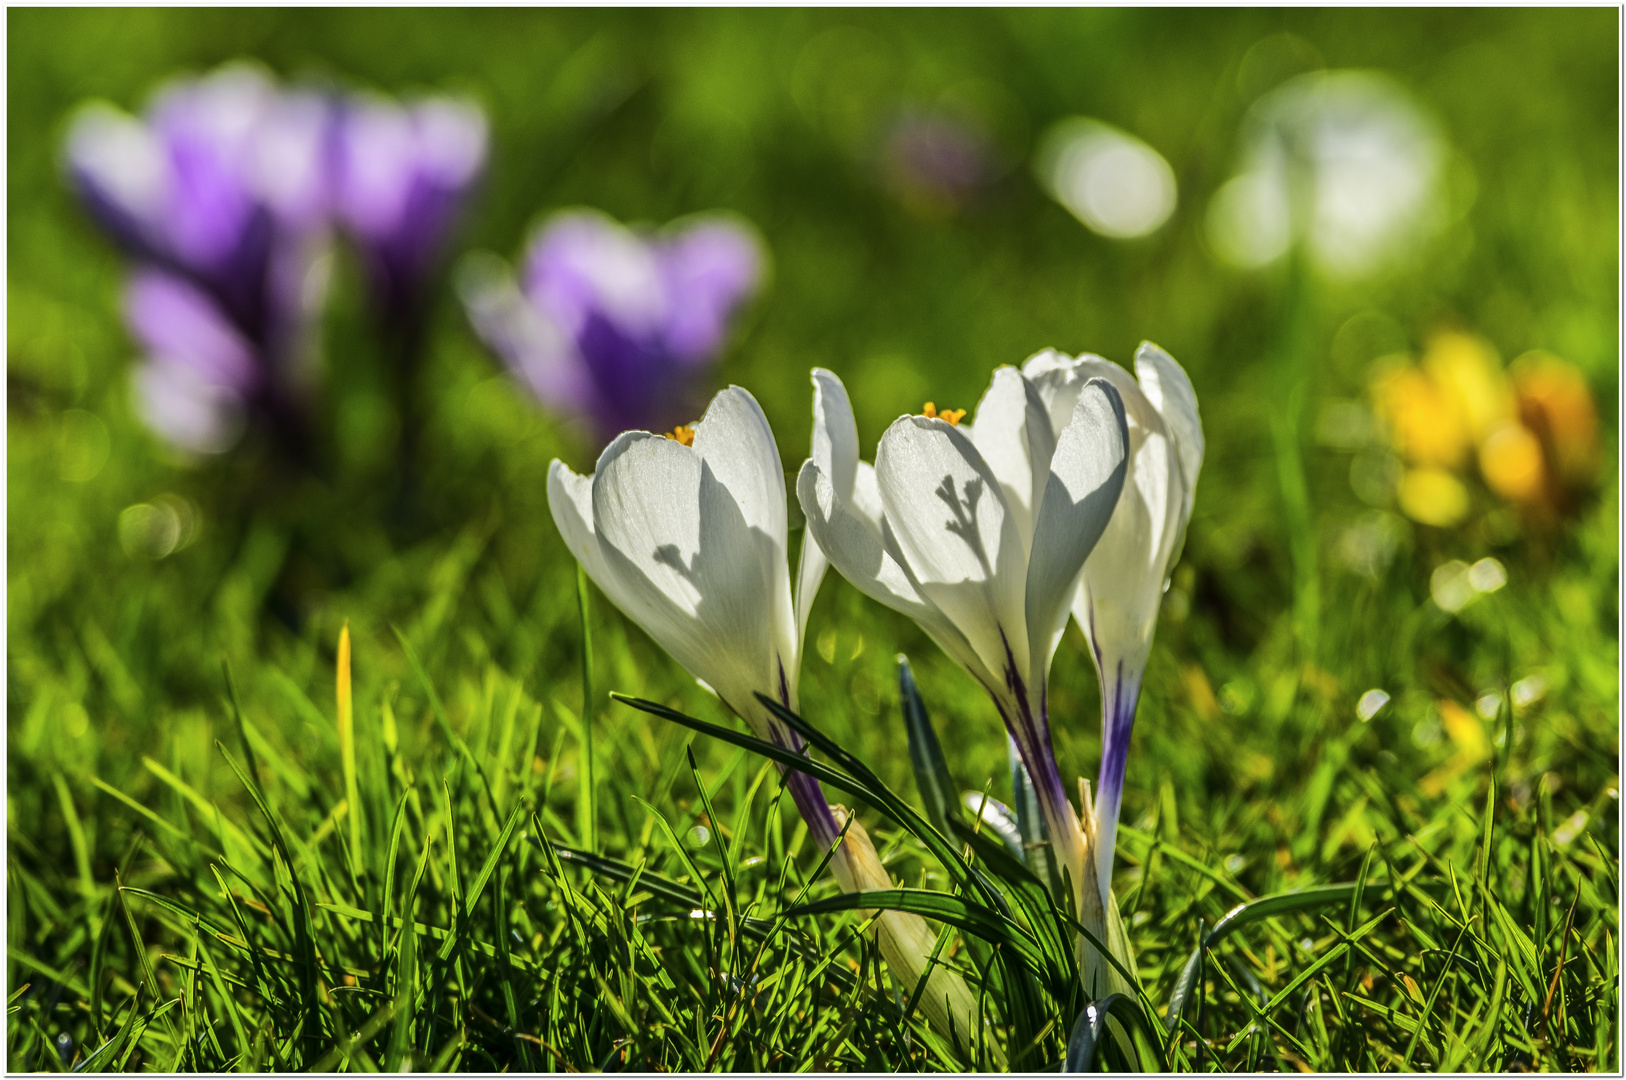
point(773, 113)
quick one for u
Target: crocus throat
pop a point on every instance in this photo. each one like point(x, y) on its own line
point(681, 434)
point(1031, 733)
point(953, 416)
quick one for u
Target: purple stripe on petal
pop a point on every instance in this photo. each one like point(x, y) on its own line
point(1122, 696)
point(822, 825)
point(1032, 737)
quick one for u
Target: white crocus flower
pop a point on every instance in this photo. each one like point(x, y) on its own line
point(1124, 579)
point(687, 536)
point(979, 533)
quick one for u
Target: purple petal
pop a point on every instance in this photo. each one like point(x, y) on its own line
point(185, 410)
point(710, 269)
point(634, 315)
point(402, 175)
point(637, 385)
point(181, 325)
point(584, 263)
point(531, 346)
point(207, 128)
point(451, 138)
point(120, 170)
point(288, 166)
point(376, 167)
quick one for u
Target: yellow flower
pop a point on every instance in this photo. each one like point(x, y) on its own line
point(1432, 497)
point(1556, 405)
point(1511, 463)
point(1425, 423)
point(1467, 371)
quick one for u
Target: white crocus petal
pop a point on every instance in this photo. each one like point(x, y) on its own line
point(1059, 379)
point(690, 571)
point(1012, 432)
point(947, 515)
point(689, 542)
point(851, 536)
point(835, 451)
point(811, 565)
point(570, 498)
point(734, 440)
point(1170, 392)
point(835, 432)
point(1084, 481)
point(1124, 577)
point(671, 614)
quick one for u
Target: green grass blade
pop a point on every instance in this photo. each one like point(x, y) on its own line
point(931, 770)
point(1239, 917)
point(1084, 1043)
point(986, 923)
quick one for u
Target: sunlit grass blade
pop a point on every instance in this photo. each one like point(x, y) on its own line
point(990, 925)
point(1085, 1041)
point(1239, 917)
point(347, 739)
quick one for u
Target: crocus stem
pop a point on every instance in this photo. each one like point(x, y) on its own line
point(1069, 846)
point(405, 324)
point(1119, 696)
point(1031, 734)
point(809, 798)
point(906, 939)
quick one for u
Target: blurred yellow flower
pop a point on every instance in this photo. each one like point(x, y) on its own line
point(1511, 463)
point(1426, 425)
point(1556, 405)
point(1432, 496)
point(1467, 371)
point(1472, 746)
point(1533, 430)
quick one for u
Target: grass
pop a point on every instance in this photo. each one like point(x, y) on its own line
point(216, 854)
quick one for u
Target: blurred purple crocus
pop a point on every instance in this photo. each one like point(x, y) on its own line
point(936, 163)
point(401, 173)
point(219, 194)
point(616, 325)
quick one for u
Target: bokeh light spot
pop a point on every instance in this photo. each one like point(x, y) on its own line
point(83, 445)
point(1114, 183)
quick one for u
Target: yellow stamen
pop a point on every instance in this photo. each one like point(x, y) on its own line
point(953, 416)
point(682, 434)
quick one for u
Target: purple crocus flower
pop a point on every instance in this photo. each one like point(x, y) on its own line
point(401, 173)
point(616, 325)
point(936, 163)
point(200, 370)
point(219, 194)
